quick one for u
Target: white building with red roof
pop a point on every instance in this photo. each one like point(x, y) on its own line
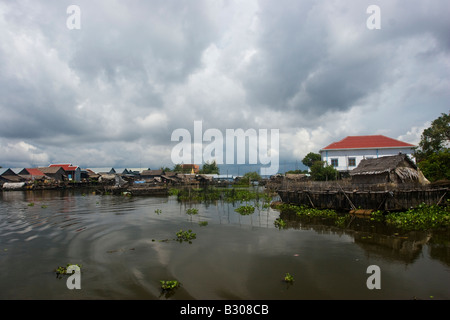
point(346, 154)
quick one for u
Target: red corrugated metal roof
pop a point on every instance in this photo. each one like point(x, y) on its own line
point(35, 172)
point(66, 167)
point(362, 142)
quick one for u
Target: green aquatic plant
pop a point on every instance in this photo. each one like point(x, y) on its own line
point(31, 204)
point(203, 223)
point(209, 194)
point(158, 211)
point(192, 211)
point(424, 217)
point(288, 278)
point(181, 236)
point(187, 236)
point(342, 221)
point(173, 192)
point(280, 223)
point(168, 287)
point(377, 216)
point(245, 210)
point(43, 206)
point(305, 211)
point(169, 284)
point(241, 195)
point(61, 271)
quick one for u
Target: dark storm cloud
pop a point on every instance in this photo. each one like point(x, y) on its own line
point(150, 40)
point(137, 70)
point(292, 44)
point(319, 56)
point(141, 46)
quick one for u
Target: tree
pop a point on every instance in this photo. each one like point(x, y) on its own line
point(436, 166)
point(210, 168)
point(320, 171)
point(311, 158)
point(248, 177)
point(296, 171)
point(434, 139)
point(433, 154)
point(178, 168)
point(252, 176)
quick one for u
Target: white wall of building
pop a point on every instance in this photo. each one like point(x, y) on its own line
point(346, 157)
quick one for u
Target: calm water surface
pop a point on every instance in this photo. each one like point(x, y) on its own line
point(117, 240)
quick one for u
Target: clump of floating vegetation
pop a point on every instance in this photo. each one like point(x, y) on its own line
point(422, 218)
point(192, 211)
point(288, 278)
point(245, 210)
point(61, 270)
point(304, 211)
point(181, 236)
point(280, 223)
point(187, 236)
point(224, 194)
point(168, 287)
point(169, 284)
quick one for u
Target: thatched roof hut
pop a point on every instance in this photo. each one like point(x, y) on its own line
point(390, 169)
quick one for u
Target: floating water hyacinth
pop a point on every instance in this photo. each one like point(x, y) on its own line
point(245, 210)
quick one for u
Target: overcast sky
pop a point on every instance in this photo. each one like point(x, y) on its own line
point(110, 93)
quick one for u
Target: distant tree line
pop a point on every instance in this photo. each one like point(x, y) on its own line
point(207, 168)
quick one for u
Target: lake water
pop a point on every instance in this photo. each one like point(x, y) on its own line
point(125, 247)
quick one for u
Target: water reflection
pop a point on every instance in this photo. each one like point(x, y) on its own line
point(377, 239)
point(117, 240)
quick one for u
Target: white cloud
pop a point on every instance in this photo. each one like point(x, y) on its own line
point(21, 154)
point(154, 120)
point(112, 92)
point(414, 135)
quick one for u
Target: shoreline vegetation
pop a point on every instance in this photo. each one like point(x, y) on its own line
point(248, 197)
point(423, 218)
